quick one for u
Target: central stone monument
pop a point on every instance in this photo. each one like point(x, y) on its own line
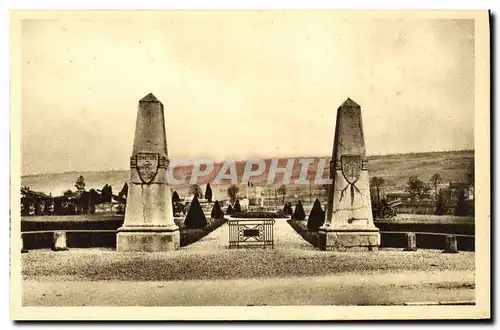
point(349, 221)
point(149, 222)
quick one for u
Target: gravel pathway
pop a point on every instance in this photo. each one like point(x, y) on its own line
point(342, 289)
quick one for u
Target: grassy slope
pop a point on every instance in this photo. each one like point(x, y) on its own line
point(394, 168)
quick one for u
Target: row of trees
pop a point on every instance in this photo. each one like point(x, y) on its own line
point(232, 192)
point(106, 191)
point(195, 190)
point(420, 190)
point(416, 187)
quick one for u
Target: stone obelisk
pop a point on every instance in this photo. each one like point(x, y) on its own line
point(349, 221)
point(149, 222)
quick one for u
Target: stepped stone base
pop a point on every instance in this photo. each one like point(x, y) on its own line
point(340, 239)
point(147, 239)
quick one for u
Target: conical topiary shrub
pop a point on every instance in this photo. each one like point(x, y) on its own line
point(299, 213)
point(237, 206)
point(217, 212)
point(208, 192)
point(316, 217)
point(287, 209)
point(195, 218)
point(229, 209)
point(176, 197)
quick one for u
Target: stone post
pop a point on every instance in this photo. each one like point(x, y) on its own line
point(149, 222)
point(349, 221)
point(23, 250)
point(411, 242)
point(59, 243)
point(451, 244)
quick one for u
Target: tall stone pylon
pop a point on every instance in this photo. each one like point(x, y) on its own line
point(149, 222)
point(349, 221)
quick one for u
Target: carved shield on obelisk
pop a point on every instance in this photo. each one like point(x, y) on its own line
point(147, 166)
point(351, 167)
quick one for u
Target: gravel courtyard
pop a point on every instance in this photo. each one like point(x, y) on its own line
point(294, 269)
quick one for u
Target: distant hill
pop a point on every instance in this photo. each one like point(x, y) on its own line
point(395, 169)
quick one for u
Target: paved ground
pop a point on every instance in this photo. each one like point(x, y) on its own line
point(208, 273)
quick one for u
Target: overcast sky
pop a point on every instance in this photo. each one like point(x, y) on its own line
point(239, 85)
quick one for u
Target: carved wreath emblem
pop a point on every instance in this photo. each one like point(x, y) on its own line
point(147, 166)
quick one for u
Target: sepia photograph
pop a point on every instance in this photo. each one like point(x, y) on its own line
point(250, 165)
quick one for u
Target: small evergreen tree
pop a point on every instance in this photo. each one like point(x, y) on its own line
point(282, 191)
point(208, 192)
point(299, 213)
point(435, 180)
point(316, 217)
point(461, 209)
point(195, 218)
point(195, 190)
point(106, 194)
point(217, 212)
point(417, 187)
point(80, 184)
point(232, 192)
point(124, 192)
point(287, 209)
point(229, 209)
point(377, 182)
point(441, 207)
point(237, 206)
point(175, 197)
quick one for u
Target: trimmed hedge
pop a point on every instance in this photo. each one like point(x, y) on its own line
point(75, 222)
point(429, 227)
point(259, 214)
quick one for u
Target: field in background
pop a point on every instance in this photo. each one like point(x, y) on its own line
point(395, 169)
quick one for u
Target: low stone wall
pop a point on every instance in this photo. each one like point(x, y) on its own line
point(430, 223)
point(93, 231)
point(425, 241)
point(396, 236)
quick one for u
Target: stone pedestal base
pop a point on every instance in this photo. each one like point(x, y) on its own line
point(339, 239)
point(147, 239)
